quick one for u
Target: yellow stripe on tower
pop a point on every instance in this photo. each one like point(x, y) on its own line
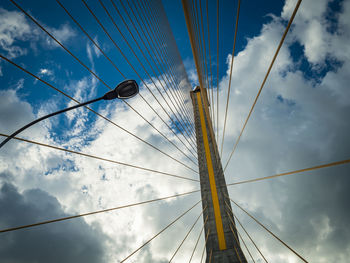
point(214, 194)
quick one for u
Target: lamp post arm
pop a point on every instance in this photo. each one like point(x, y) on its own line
point(45, 117)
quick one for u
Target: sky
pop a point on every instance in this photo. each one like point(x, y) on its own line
point(300, 121)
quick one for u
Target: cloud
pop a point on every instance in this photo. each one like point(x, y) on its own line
point(89, 53)
point(63, 34)
point(191, 71)
point(14, 112)
point(96, 50)
point(45, 71)
point(13, 28)
point(315, 31)
point(69, 241)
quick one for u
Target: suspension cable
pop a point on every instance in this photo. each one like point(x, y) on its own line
point(189, 231)
point(285, 244)
point(94, 212)
point(205, 243)
point(98, 114)
point(250, 238)
point(293, 172)
point(99, 158)
point(200, 234)
point(217, 70)
point(239, 258)
point(165, 228)
point(210, 254)
point(264, 81)
point(229, 83)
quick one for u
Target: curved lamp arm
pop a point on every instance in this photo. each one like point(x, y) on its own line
point(45, 117)
point(124, 90)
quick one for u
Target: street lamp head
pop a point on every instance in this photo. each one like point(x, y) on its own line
point(124, 90)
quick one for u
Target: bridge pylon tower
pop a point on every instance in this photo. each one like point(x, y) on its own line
point(222, 243)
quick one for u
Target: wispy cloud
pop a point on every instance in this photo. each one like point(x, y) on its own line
point(16, 29)
point(63, 34)
point(13, 28)
point(45, 71)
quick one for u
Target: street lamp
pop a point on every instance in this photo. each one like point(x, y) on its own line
point(124, 90)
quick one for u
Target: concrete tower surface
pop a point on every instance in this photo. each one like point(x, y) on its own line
point(220, 231)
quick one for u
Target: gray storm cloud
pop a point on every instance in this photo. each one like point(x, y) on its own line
point(73, 241)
